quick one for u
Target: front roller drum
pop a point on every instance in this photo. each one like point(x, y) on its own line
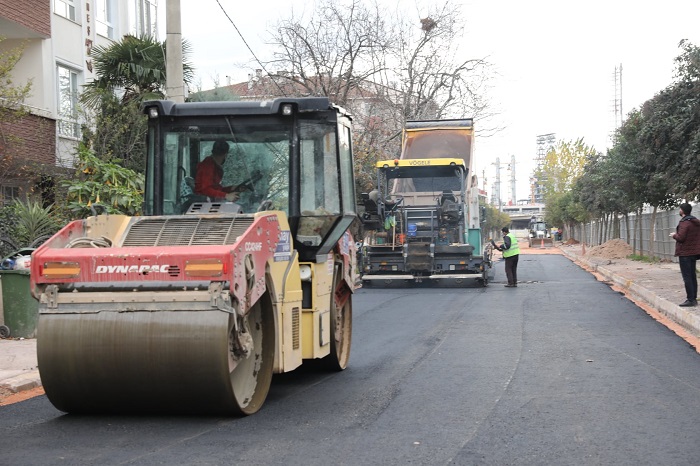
point(175, 361)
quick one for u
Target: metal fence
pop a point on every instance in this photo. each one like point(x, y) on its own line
point(636, 233)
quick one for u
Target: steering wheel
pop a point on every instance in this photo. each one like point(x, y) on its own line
point(265, 205)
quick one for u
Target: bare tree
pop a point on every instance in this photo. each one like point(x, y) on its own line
point(332, 52)
point(432, 76)
point(384, 68)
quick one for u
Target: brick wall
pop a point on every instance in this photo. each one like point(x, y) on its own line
point(32, 14)
point(30, 140)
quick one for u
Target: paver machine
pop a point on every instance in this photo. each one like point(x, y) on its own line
point(193, 306)
point(423, 220)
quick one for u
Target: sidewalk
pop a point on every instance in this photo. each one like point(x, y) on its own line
point(659, 286)
point(18, 366)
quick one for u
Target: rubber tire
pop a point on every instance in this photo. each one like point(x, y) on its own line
point(249, 399)
point(341, 328)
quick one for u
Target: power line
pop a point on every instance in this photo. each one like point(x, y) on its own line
point(249, 49)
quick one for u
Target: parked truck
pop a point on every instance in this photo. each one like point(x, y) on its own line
point(423, 219)
point(193, 306)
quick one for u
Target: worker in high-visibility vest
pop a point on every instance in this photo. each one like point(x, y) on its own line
point(511, 252)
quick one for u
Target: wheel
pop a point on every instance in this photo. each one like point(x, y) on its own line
point(251, 376)
point(485, 277)
point(341, 325)
point(4, 331)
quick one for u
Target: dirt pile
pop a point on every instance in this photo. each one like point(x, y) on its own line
point(570, 241)
point(613, 249)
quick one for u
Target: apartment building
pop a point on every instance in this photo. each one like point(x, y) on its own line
point(57, 37)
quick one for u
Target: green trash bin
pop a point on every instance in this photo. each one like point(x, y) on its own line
point(20, 311)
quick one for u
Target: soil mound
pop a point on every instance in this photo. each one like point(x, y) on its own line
point(613, 249)
point(570, 241)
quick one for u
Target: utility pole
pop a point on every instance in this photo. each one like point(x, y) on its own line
point(617, 102)
point(513, 197)
point(497, 186)
point(174, 80)
point(498, 181)
point(544, 143)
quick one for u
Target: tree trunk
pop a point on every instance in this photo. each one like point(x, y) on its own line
point(606, 227)
point(652, 233)
point(641, 232)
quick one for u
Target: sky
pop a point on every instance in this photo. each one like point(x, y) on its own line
point(553, 62)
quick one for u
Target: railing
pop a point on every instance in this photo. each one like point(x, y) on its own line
point(636, 233)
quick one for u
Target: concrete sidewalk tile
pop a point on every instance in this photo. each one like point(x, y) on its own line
point(22, 382)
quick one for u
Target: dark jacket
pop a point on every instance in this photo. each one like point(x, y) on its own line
point(687, 236)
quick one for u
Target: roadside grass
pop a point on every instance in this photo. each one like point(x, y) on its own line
point(642, 258)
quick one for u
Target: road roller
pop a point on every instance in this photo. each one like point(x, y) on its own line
point(240, 266)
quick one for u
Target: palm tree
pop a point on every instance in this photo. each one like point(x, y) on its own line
point(135, 65)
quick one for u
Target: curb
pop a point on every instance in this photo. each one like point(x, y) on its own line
point(22, 382)
point(688, 320)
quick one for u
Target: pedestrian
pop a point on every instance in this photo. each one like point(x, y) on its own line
point(511, 252)
point(687, 238)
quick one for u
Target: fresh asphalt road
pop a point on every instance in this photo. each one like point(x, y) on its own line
point(561, 370)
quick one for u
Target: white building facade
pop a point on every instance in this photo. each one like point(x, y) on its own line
point(58, 36)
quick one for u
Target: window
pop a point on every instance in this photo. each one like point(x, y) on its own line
point(259, 163)
point(103, 12)
point(9, 194)
point(68, 103)
point(348, 184)
point(319, 170)
point(146, 12)
point(65, 8)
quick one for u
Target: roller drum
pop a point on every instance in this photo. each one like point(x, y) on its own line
point(144, 361)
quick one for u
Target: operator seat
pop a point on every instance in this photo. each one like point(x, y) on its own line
point(447, 195)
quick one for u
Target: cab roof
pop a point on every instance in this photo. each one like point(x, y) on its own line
point(438, 162)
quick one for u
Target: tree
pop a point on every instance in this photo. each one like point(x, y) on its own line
point(431, 78)
point(671, 133)
point(333, 53)
point(383, 70)
point(134, 67)
point(117, 131)
point(493, 221)
point(563, 164)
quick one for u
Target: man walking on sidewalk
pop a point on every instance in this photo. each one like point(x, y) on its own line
point(687, 238)
point(511, 252)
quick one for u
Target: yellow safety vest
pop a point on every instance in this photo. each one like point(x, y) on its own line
point(514, 249)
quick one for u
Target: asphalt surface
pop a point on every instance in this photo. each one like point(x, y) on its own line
point(561, 370)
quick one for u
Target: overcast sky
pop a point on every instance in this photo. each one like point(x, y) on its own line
point(555, 61)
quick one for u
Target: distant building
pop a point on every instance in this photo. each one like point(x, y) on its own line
point(374, 107)
point(58, 36)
